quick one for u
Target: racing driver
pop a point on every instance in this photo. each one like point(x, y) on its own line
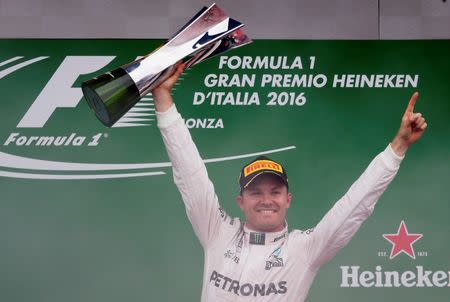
point(259, 259)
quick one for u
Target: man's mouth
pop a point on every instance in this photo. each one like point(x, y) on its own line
point(266, 211)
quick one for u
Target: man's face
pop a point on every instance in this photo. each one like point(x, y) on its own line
point(264, 203)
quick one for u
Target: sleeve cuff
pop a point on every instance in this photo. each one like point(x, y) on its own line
point(391, 159)
point(168, 117)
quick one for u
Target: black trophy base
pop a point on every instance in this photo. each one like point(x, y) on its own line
point(111, 95)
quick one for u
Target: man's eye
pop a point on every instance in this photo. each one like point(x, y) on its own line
point(276, 192)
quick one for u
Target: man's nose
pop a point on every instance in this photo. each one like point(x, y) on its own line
point(266, 200)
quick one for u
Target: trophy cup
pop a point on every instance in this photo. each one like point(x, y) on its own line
point(210, 32)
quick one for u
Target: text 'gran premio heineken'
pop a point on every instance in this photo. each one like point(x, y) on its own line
point(208, 33)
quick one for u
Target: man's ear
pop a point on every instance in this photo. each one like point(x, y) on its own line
point(289, 199)
point(240, 201)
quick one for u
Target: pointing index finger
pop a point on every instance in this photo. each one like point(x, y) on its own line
point(412, 102)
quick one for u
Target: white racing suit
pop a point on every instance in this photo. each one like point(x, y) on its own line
point(241, 265)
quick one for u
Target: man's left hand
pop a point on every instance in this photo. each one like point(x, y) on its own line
point(412, 127)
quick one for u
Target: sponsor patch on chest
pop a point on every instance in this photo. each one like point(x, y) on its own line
point(274, 259)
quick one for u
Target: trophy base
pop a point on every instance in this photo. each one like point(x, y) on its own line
point(111, 95)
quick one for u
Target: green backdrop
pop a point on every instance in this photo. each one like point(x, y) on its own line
point(127, 238)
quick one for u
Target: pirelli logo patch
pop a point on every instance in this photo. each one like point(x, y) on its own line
point(262, 165)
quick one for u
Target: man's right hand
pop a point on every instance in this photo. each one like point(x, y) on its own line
point(161, 94)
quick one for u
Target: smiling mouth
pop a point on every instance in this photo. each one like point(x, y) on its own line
point(266, 211)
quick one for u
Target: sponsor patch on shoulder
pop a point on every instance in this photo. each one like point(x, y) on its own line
point(308, 231)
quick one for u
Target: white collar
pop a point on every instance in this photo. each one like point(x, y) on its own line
point(264, 238)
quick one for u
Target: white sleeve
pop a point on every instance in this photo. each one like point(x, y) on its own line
point(342, 221)
point(190, 176)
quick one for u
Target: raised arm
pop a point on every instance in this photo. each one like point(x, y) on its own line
point(162, 94)
point(189, 171)
point(338, 226)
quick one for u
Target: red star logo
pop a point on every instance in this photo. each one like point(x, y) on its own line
point(402, 241)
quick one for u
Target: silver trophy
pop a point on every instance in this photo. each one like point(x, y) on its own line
point(208, 33)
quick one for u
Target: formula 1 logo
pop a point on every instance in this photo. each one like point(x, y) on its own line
point(60, 92)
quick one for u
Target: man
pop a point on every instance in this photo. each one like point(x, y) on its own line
point(259, 260)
